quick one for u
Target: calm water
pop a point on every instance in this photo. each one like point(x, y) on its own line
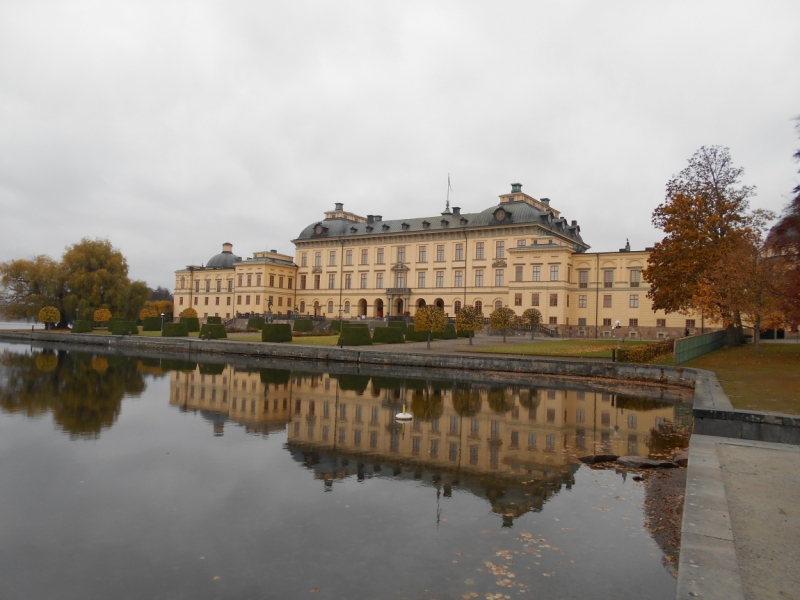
point(129, 478)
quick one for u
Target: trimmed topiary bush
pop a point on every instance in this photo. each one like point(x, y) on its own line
point(337, 325)
point(355, 336)
point(417, 336)
point(192, 323)
point(303, 325)
point(255, 323)
point(213, 331)
point(641, 353)
point(449, 333)
point(82, 327)
point(276, 333)
point(388, 335)
point(463, 333)
point(175, 330)
point(400, 325)
point(151, 324)
point(113, 320)
point(214, 320)
point(348, 325)
point(123, 328)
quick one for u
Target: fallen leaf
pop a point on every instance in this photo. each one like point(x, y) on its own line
point(314, 590)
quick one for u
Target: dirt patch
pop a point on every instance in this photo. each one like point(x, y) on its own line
point(664, 494)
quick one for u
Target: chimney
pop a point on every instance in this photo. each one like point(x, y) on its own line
point(274, 251)
point(516, 188)
point(370, 218)
point(545, 201)
point(574, 223)
point(378, 218)
point(456, 211)
point(227, 247)
point(339, 206)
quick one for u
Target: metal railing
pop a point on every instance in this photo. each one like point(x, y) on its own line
point(693, 346)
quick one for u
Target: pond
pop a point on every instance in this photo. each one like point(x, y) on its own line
point(129, 477)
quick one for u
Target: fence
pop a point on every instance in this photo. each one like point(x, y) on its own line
point(691, 347)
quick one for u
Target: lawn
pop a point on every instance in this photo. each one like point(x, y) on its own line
point(573, 348)
point(769, 382)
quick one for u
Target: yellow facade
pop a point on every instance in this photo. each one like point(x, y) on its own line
point(229, 286)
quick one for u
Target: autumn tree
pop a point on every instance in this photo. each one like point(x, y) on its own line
point(189, 313)
point(503, 318)
point(102, 315)
point(160, 306)
point(469, 319)
point(147, 312)
point(705, 213)
point(27, 286)
point(48, 315)
point(430, 319)
point(160, 294)
point(532, 318)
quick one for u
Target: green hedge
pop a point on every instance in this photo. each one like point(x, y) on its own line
point(192, 323)
point(388, 335)
point(416, 336)
point(303, 325)
point(348, 325)
point(400, 325)
point(151, 324)
point(449, 333)
point(336, 326)
point(123, 328)
point(463, 333)
point(641, 353)
point(255, 323)
point(213, 331)
point(113, 320)
point(355, 336)
point(175, 330)
point(276, 332)
point(82, 327)
point(214, 320)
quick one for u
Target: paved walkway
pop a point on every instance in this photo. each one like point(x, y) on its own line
point(741, 522)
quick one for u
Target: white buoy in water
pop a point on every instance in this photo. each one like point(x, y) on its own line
point(404, 416)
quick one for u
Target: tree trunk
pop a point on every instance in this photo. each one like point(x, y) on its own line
point(471, 333)
point(757, 335)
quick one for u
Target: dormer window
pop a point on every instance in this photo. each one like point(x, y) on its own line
point(445, 223)
point(405, 226)
point(368, 228)
point(385, 227)
point(501, 214)
point(425, 224)
point(353, 230)
point(463, 221)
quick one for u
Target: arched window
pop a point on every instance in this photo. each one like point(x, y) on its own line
point(330, 306)
point(302, 306)
point(498, 304)
point(457, 306)
point(479, 306)
point(347, 307)
point(183, 282)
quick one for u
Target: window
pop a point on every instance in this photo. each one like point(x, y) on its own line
point(363, 280)
point(258, 299)
point(219, 285)
point(401, 279)
point(401, 254)
point(473, 455)
point(230, 285)
point(633, 322)
point(661, 322)
point(479, 251)
point(348, 281)
point(554, 273)
point(332, 258)
point(457, 306)
point(348, 257)
point(534, 299)
point(423, 254)
point(583, 279)
point(634, 301)
point(608, 278)
point(479, 306)
point(459, 251)
point(553, 320)
point(498, 277)
point(181, 302)
point(288, 283)
point(498, 304)
point(183, 282)
point(258, 280)
point(607, 301)
point(206, 299)
point(606, 322)
point(517, 299)
point(582, 321)
point(364, 256)
point(272, 281)
point(302, 282)
point(582, 302)
point(330, 306)
point(316, 282)
point(553, 299)
point(421, 279)
point(378, 280)
point(636, 277)
point(459, 278)
point(246, 299)
point(518, 273)
point(280, 281)
point(317, 259)
point(304, 259)
point(440, 253)
point(479, 278)
point(500, 250)
point(331, 281)
point(537, 273)
point(520, 243)
point(208, 285)
point(238, 281)
point(379, 257)
point(690, 323)
point(439, 279)
point(195, 300)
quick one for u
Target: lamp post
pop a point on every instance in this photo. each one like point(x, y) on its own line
point(162, 324)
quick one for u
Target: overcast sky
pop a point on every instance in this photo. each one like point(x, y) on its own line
point(172, 127)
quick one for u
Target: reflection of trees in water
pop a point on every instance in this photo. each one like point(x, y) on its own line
point(466, 401)
point(427, 405)
point(83, 392)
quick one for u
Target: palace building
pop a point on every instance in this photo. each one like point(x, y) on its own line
point(521, 253)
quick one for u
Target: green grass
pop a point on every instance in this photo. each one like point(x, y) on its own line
point(572, 348)
point(769, 382)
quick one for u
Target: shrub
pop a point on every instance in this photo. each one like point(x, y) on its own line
point(102, 315)
point(123, 327)
point(388, 335)
point(214, 320)
point(449, 333)
point(189, 312)
point(175, 330)
point(151, 324)
point(82, 327)
point(213, 331)
point(463, 333)
point(355, 336)
point(255, 323)
point(276, 333)
point(400, 325)
point(49, 314)
point(337, 325)
point(113, 320)
point(641, 353)
point(416, 336)
point(303, 325)
point(348, 325)
point(192, 323)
